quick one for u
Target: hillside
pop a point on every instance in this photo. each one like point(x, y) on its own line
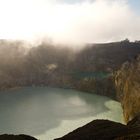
point(47, 64)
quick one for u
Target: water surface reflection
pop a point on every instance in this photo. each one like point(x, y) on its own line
point(35, 111)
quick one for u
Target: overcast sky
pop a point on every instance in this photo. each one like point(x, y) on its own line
point(70, 21)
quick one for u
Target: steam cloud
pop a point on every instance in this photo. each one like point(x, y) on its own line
point(84, 21)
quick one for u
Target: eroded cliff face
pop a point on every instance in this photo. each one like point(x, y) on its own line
point(127, 81)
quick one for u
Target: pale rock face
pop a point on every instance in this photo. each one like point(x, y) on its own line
point(127, 81)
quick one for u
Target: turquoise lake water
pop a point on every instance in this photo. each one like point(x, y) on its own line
point(47, 113)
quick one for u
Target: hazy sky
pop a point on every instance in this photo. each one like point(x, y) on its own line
point(72, 21)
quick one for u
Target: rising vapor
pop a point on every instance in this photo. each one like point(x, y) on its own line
point(81, 22)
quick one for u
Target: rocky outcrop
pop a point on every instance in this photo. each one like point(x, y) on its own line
point(16, 137)
point(127, 81)
point(106, 130)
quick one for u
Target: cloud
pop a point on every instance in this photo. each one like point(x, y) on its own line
point(80, 22)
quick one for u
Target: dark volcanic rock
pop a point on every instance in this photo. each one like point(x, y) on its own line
point(16, 137)
point(96, 130)
point(106, 130)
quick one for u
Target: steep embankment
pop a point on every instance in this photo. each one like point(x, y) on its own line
point(127, 81)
